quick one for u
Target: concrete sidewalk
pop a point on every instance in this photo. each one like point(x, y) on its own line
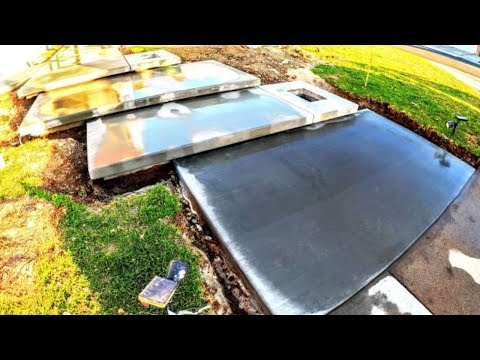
point(442, 269)
point(460, 60)
point(470, 80)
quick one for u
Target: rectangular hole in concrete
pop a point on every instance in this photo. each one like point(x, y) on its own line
point(306, 95)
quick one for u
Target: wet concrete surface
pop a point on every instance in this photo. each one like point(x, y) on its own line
point(312, 215)
point(55, 109)
point(73, 65)
point(443, 268)
point(137, 139)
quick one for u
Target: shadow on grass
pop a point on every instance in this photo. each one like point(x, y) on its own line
point(122, 246)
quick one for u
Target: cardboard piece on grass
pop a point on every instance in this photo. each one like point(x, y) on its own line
point(160, 290)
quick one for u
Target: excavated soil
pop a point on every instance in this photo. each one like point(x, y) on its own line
point(21, 107)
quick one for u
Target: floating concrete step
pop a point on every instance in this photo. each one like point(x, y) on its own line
point(151, 59)
point(83, 65)
point(312, 215)
point(16, 80)
point(191, 126)
point(322, 104)
point(131, 141)
point(71, 106)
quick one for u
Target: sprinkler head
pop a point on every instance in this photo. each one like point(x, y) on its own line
point(451, 124)
point(461, 118)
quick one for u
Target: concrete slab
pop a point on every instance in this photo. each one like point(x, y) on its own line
point(87, 65)
point(443, 268)
point(322, 104)
point(312, 215)
point(74, 104)
point(131, 141)
point(152, 59)
point(16, 80)
point(383, 296)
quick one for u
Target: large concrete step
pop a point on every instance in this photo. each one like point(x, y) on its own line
point(311, 216)
point(131, 141)
point(71, 106)
point(74, 64)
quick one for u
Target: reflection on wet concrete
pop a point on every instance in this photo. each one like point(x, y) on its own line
point(442, 158)
point(129, 91)
point(311, 216)
point(173, 130)
point(74, 65)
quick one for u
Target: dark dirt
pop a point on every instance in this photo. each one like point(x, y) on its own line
point(21, 107)
point(190, 221)
point(403, 119)
point(270, 64)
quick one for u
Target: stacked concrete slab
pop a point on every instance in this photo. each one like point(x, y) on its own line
point(71, 106)
point(131, 141)
point(136, 138)
point(73, 65)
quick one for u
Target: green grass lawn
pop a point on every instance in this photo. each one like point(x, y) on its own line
point(6, 113)
point(24, 164)
point(58, 256)
point(122, 246)
point(409, 83)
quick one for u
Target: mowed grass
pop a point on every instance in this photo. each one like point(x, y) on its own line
point(24, 164)
point(59, 256)
point(38, 275)
point(409, 83)
point(6, 113)
point(121, 247)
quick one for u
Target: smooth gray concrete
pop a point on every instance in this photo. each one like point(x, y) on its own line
point(322, 104)
point(455, 53)
point(130, 141)
point(383, 296)
point(312, 215)
point(443, 268)
point(152, 59)
point(58, 108)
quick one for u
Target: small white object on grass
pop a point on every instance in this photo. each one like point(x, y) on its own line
point(186, 312)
